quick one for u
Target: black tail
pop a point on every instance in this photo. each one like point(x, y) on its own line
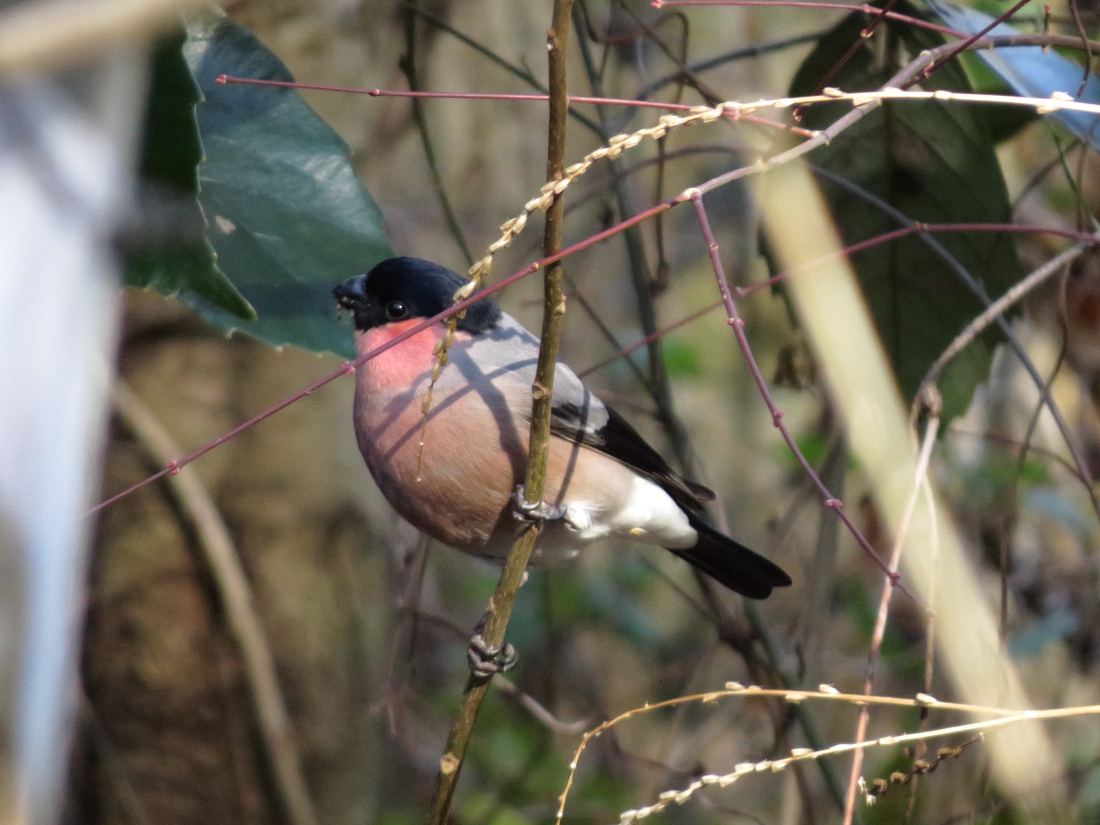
point(732, 564)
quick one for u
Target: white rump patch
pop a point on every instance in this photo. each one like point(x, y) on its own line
point(648, 514)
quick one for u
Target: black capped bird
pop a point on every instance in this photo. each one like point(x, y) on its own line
point(603, 479)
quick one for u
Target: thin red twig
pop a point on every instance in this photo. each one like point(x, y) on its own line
point(525, 97)
point(649, 339)
point(738, 325)
point(972, 39)
point(931, 429)
point(348, 367)
point(855, 46)
point(917, 228)
point(849, 7)
point(613, 101)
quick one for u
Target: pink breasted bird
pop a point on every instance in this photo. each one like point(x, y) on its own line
point(603, 478)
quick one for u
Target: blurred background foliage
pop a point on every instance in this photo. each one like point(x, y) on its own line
point(368, 622)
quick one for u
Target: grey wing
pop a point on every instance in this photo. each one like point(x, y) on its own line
point(580, 416)
point(508, 356)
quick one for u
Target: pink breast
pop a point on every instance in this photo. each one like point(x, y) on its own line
point(397, 368)
point(456, 487)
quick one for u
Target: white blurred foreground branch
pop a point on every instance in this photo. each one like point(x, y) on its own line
point(48, 35)
point(67, 154)
point(831, 306)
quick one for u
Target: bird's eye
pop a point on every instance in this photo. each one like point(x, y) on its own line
point(396, 310)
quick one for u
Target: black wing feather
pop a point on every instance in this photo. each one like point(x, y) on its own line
point(732, 564)
point(728, 561)
point(622, 442)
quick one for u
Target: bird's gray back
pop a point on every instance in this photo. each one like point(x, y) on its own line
point(507, 357)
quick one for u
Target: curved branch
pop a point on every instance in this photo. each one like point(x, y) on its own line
point(235, 594)
point(515, 566)
point(978, 290)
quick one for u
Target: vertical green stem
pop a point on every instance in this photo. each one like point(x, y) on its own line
point(500, 606)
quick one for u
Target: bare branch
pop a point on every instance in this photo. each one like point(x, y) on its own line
point(235, 594)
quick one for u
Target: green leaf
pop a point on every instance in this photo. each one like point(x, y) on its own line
point(1031, 71)
point(681, 358)
point(174, 255)
point(1090, 790)
point(285, 212)
point(934, 162)
point(1001, 122)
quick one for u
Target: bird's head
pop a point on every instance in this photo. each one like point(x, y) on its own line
point(402, 289)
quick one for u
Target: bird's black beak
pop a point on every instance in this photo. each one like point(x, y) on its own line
point(351, 293)
point(352, 296)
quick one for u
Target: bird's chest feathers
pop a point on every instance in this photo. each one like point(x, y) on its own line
point(473, 449)
point(392, 387)
point(390, 391)
point(397, 369)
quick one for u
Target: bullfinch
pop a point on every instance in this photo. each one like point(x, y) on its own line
point(462, 486)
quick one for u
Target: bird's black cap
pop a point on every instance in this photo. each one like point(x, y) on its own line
point(403, 288)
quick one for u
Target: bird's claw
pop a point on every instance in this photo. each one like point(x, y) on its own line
point(533, 513)
point(485, 661)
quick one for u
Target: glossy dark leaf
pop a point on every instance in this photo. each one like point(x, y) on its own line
point(1000, 122)
point(934, 162)
point(285, 212)
point(1030, 71)
point(167, 248)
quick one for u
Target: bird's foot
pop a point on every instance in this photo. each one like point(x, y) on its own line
point(534, 513)
point(485, 660)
